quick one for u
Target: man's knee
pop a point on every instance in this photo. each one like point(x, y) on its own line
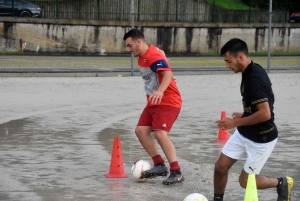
point(160, 135)
point(140, 131)
point(243, 183)
point(243, 179)
point(221, 168)
point(223, 164)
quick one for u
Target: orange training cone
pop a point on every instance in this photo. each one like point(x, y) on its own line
point(223, 135)
point(116, 164)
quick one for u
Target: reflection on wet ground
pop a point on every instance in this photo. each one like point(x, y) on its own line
point(56, 137)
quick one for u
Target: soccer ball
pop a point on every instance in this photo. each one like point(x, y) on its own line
point(195, 197)
point(138, 167)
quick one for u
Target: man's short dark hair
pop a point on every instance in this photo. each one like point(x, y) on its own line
point(134, 34)
point(235, 46)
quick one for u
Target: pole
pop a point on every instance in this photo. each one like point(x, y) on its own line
point(213, 13)
point(56, 5)
point(98, 9)
point(269, 35)
point(139, 10)
point(285, 11)
point(13, 8)
point(176, 11)
point(132, 26)
point(250, 11)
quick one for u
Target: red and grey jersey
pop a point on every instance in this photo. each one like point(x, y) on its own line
point(150, 65)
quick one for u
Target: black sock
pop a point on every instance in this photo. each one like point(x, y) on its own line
point(159, 164)
point(280, 182)
point(218, 197)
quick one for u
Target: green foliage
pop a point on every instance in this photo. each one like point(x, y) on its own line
point(292, 5)
point(230, 4)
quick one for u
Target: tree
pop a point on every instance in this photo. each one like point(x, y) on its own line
point(291, 5)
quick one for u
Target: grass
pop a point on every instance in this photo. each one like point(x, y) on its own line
point(201, 54)
point(11, 53)
point(198, 61)
point(257, 54)
point(230, 4)
point(275, 54)
point(125, 62)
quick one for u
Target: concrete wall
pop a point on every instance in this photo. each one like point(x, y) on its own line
point(94, 37)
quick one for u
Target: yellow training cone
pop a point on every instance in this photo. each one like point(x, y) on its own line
point(251, 189)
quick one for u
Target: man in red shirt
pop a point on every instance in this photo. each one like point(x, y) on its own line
point(162, 109)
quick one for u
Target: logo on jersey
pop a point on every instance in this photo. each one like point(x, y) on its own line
point(145, 60)
point(159, 64)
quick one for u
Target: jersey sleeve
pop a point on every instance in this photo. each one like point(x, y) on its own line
point(159, 65)
point(157, 61)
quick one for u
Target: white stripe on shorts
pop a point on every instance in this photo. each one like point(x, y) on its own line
point(238, 147)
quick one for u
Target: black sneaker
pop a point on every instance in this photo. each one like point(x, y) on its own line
point(157, 170)
point(284, 191)
point(174, 178)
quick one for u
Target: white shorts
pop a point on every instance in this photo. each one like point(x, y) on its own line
point(257, 154)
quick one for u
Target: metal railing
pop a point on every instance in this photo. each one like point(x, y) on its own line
point(158, 10)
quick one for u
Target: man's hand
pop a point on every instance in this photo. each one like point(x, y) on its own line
point(156, 97)
point(226, 123)
point(229, 123)
point(237, 115)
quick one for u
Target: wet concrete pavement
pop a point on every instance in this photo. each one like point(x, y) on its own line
point(56, 137)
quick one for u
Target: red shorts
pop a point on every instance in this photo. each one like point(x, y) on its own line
point(159, 117)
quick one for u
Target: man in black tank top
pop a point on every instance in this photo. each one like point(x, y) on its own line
point(256, 133)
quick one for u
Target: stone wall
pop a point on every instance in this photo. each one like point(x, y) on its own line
point(96, 37)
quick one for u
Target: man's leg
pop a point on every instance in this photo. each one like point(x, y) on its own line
point(146, 140)
point(262, 182)
point(162, 119)
point(170, 152)
point(142, 131)
point(257, 155)
point(222, 166)
point(159, 168)
point(283, 184)
point(166, 144)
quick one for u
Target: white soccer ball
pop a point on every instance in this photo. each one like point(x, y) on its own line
point(138, 167)
point(195, 197)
